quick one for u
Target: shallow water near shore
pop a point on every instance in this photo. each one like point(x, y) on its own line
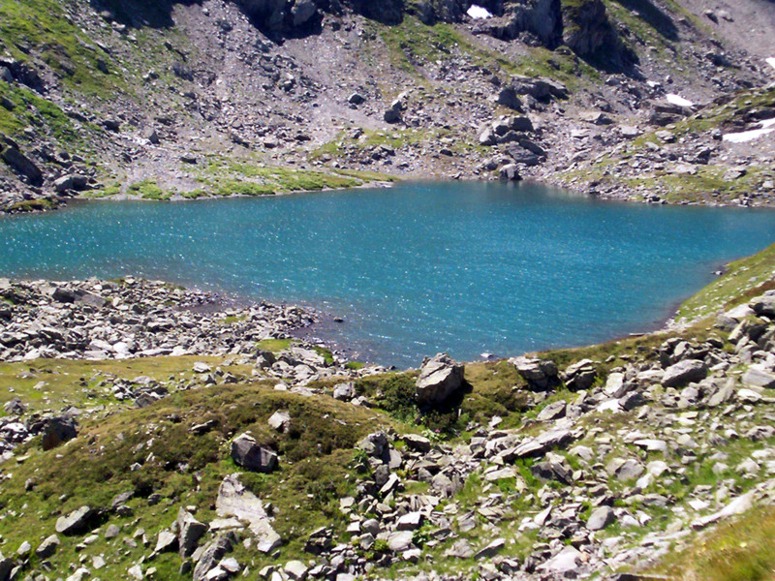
point(465, 268)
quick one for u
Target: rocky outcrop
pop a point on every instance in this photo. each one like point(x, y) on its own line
point(590, 34)
point(440, 378)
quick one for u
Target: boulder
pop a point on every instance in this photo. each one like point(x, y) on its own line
point(684, 372)
point(280, 421)
point(417, 443)
point(47, 548)
point(71, 182)
point(57, 431)
point(764, 306)
point(580, 375)
point(247, 453)
point(213, 552)
point(75, 522)
point(508, 98)
point(510, 173)
point(601, 518)
point(440, 378)
point(759, 377)
point(190, 531)
point(22, 165)
point(540, 374)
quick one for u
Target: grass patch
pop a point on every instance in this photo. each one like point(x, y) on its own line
point(38, 205)
point(731, 289)
point(148, 190)
point(741, 550)
point(275, 345)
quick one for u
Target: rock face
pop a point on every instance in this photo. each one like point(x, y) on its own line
point(589, 33)
point(246, 453)
point(440, 378)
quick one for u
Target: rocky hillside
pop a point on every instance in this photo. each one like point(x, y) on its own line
point(171, 435)
point(619, 98)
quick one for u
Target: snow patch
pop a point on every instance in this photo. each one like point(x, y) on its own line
point(678, 100)
point(746, 136)
point(478, 13)
point(771, 62)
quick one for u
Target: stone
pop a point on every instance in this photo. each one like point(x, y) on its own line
point(296, 570)
point(234, 500)
point(540, 374)
point(507, 96)
point(190, 531)
point(566, 561)
point(411, 521)
point(601, 518)
point(491, 549)
point(211, 555)
point(400, 541)
point(356, 99)
point(684, 372)
point(71, 182)
point(344, 391)
point(247, 453)
point(280, 421)
point(552, 412)
point(57, 431)
point(764, 306)
point(47, 548)
point(166, 541)
point(759, 377)
point(417, 443)
point(440, 378)
point(580, 375)
point(22, 165)
point(510, 172)
point(75, 522)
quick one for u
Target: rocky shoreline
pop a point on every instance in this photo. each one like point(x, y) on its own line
point(622, 444)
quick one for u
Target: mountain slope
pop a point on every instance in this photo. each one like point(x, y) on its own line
point(157, 99)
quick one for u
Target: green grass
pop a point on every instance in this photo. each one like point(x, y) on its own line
point(148, 190)
point(44, 26)
point(226, 177)
point(186, 470)
point(275, 345)
point(742, 550)
point(733, 287)
point(47, 384)
point(31, 109)
point(38, 205)
point(412, 45)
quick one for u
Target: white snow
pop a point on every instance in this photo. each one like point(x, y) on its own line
point(678, 100)
point(478, 13)
point(746, 136)
point(771, 62)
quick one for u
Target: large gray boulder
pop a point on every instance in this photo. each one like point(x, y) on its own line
point(190, 531)
point(684, 372)
point(75, 522)
point(440, 378)
point(248, 454)
point(764, 306)
point(57, 431)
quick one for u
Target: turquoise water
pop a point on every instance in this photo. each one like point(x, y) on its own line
point(459, 267)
